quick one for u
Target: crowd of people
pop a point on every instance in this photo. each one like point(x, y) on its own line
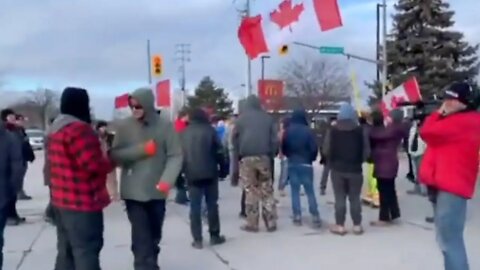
point(200, 149)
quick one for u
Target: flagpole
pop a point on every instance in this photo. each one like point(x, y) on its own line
point(384, 44)
point(148, 63)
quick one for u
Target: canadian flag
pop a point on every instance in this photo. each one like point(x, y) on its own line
point(268, 32)
point(409, 91)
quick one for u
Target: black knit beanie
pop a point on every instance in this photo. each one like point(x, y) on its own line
point(75, 102)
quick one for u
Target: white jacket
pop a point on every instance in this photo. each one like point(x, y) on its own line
point(421, 144)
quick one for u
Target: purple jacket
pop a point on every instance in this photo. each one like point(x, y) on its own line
point(385, 142)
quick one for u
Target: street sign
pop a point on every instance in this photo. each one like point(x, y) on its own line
point(332, 50)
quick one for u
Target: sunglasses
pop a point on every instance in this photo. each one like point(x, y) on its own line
point(136, 107)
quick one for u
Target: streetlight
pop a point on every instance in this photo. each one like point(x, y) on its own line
point(263, 57)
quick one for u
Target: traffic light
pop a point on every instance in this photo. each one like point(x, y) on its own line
point(283, 50)
point(157, 68)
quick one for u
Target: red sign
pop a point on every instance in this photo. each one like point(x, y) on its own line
point(121, 101)
point(270, 93)
point(163, 93)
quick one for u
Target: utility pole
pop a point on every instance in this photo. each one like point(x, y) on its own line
point(263, 57)
point(377, 42)
point(149, 63)
point(249, 61)
point(183, 55)
point(384, 58)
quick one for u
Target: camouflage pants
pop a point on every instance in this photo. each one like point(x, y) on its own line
point(256, 178)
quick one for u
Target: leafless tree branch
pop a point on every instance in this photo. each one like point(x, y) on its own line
point(41, 104)
point(314, 80)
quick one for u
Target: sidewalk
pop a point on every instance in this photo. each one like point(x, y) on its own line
point(408, 246)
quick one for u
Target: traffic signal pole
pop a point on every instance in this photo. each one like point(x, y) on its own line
point(348, 55)
point(149, 65)
point(249, 61)
point(384, 50)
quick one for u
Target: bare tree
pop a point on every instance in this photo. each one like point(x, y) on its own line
point(39, 106)
point(315, 80)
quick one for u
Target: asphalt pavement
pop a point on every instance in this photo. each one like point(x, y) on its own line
point(408, 246)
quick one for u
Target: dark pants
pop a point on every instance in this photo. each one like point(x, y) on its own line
point(79, 239)
point(209, 190)
point(181, 187)
point(389, 209)
point(3, 221)
point(325, 175)
point(11, 208)
point(347, 185)
point(146, 219)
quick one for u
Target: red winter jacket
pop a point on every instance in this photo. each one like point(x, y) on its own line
point(450, 162)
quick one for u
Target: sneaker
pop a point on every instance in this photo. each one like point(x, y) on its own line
point(358, 230)
point(217, 240)
point(197, 244)
point(429, 220)
point(23, 197)
point(13, 222)
point(297, 221)
point(317, 222)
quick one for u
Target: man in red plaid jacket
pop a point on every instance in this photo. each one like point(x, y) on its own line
point(78, 171)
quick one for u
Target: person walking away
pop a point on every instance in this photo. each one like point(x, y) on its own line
point(283, 179)
point(203, 159)
point(385, 141)
point(255, 141)
point(416, 148)
point(450, 165)
point(106, 141)
point(9, 119)
point(78, 171)
point(346, 147)
point(300, 146)
point(323, 161)
point(11, 171)
point(180, 125)
point(149, 153)
point(49, 213)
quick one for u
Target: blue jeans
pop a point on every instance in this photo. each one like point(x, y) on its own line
point(283, 180)
point(302, 175)
point(450, 216)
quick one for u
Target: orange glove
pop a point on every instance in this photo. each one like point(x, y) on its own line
point(164, 187)
point(150, 148)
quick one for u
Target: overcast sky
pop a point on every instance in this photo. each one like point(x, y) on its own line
point(101, 45)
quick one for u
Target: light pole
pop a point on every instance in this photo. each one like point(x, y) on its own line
point(384, 49)
point(263, 57)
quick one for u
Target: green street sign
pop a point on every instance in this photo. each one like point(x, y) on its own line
point(332, 50)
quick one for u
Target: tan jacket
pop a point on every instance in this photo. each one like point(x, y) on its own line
point(112, 182)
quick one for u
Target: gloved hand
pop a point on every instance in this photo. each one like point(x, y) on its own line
point(164, 187)
point(150, 148)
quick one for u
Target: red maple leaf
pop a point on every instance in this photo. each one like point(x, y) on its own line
point(396, 100)
point(286, 14)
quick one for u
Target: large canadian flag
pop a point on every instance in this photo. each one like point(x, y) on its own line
point(277, 27)
point(408, 91)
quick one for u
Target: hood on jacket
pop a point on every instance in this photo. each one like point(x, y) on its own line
point(76, 102)
point(347, 112)
point(61, 121)
point(253, 103)
point(144, 96)
point(396, 115)
point(199, 116)
point(299, 117)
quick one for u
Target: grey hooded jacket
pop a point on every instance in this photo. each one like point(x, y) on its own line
point(255, 132)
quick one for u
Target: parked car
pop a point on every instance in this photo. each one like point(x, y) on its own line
point(36, 138)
